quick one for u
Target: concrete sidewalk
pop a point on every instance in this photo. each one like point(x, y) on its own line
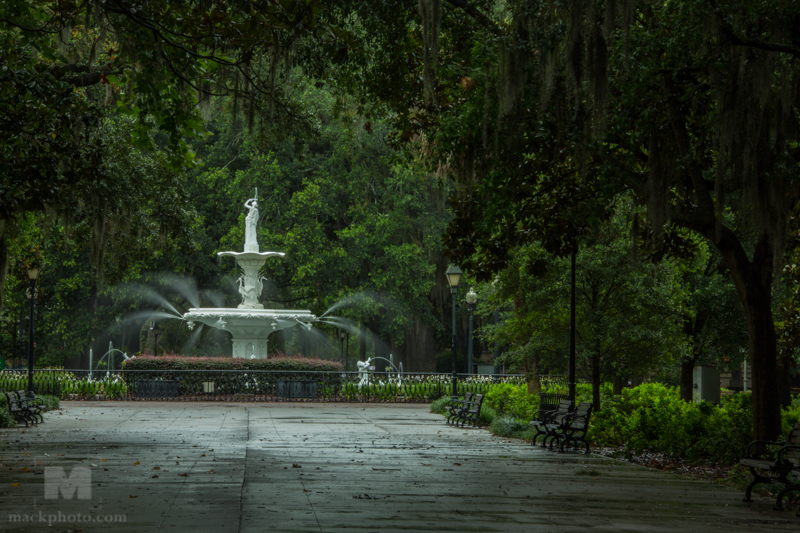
point(335, 467)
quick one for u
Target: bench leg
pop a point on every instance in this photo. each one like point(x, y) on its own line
point(779, 499)
point(748, 492)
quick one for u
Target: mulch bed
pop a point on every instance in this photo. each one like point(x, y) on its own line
point(662, 461)
point(718, 473)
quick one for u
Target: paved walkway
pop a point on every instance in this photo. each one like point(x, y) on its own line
point(303, 467)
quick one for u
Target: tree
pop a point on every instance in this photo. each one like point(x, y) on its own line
point(691, 106)
point(627, 316)
point(68, 65)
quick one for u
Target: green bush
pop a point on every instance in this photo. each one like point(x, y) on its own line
point(505, 426)
point(487, 415)
point(438, 405)
point(6, 420)
point(652, 417)
point(512, 400)
point(51, 403)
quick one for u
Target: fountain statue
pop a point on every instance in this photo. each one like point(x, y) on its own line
point(250, 324)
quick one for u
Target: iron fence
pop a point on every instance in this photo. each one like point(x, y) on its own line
point(250, 385)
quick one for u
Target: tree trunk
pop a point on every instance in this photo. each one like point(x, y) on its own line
point(617, 385)
point(687, 378)
point(420, 346)
point(753, 281)
point(596, 382)
point(532, 373)
point(785, 381)
point(3, 265)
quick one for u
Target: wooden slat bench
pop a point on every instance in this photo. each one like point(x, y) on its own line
point(555, 416)
point(472, 414)
point(457, 407)
point(20, 409)
point(775, 469)
point(549, 405)
point(572, 428)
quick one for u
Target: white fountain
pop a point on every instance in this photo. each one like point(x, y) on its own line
point(250, 324)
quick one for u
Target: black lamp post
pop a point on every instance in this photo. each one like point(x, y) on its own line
point(33, 274)
point(471, 298)
point(571, 377)
point(453, 277)
point(341, 346)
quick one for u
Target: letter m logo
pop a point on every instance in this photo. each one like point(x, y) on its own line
point(79, 480)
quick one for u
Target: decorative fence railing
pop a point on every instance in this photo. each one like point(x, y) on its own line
point(259, 385)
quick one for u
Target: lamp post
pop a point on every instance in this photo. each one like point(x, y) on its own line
point(471, 298)
point(453, 277)
point(33, 274)
point(571, 377)
point(155, 331)
point(341, 346)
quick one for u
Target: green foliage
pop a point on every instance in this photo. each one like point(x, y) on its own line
point(487, 415)
point(512, 401)
point(652, 417)
point(438, 405)
point(506, 426)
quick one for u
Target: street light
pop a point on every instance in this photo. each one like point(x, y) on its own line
point(453, 277)
point(471, 298)
point(342, 335)
point(33, 274)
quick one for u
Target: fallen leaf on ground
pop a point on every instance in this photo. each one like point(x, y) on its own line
point(154, 477)
point(183, 475)
point(24, 469)
point(156, 468)
point(132, 496)
point(13, 485)
point(136, 463)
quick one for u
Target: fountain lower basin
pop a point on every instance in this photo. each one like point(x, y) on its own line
point(249, 328)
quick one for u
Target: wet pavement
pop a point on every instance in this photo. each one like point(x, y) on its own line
point(147, 467)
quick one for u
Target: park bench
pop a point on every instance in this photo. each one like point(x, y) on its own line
point(548, 415)
point(21, 410)
point(456, 407)
point(157, 388)
point(472, 413)
point(549, 403)
point(779, 469)
point(33, 403)
point(571, 428)
point(296, 389)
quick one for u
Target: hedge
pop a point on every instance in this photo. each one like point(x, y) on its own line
point(278, 363)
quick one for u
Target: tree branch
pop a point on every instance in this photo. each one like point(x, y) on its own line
point(729, 32)
point(473, 12)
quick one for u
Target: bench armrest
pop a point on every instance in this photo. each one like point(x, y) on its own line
point(770, 443)
point(782, 453)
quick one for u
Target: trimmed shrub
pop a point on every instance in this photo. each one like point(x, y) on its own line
point(512, 400)
point(505, 426)
point(437, 406)
point(652, 417)
point(296, 363)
